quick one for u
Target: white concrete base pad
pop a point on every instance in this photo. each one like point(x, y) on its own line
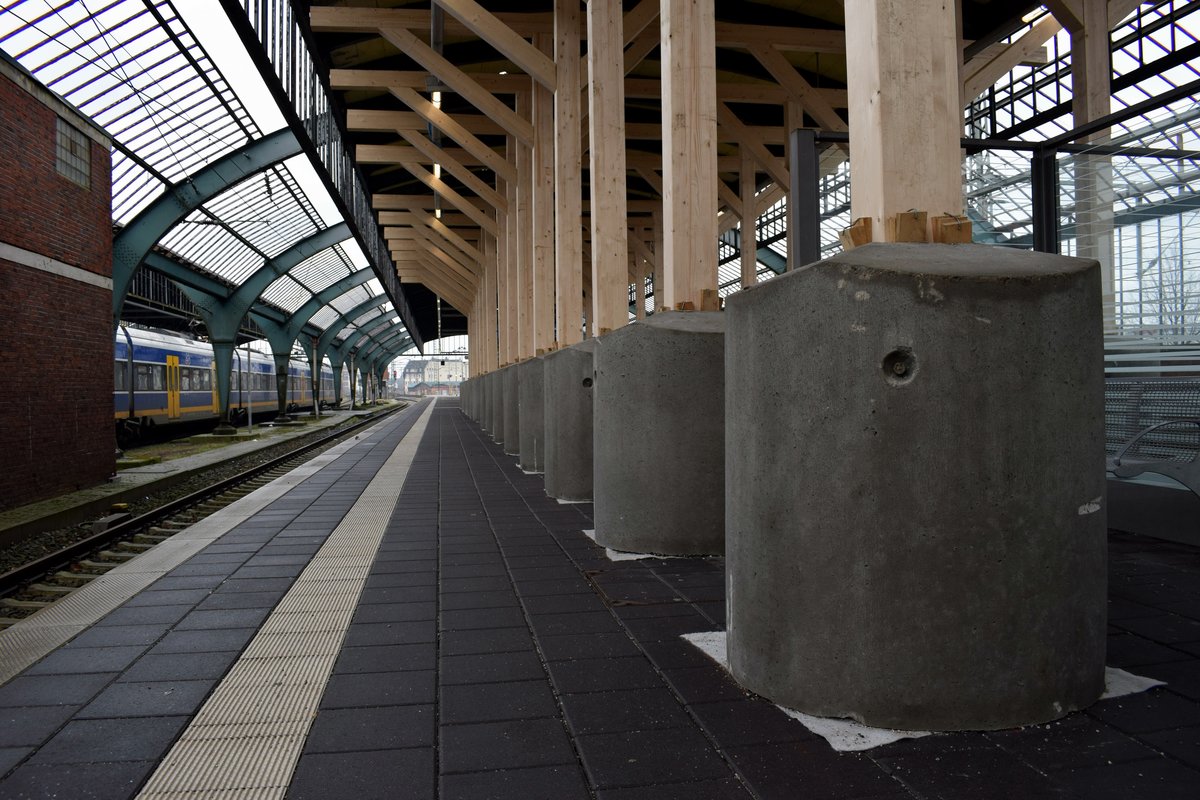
point(846, 735)
point(621, 555)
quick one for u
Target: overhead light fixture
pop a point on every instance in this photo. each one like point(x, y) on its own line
point(437, 99)
point(503, 72)
point(437, 171)
point(437, 213)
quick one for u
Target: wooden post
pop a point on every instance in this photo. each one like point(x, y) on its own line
point(659, 243)
point(905, 120)
point(491, 337)
point(543, 211)
point(524, 222)
point(689, 131)
point(606, 115)
point(568, 166)
point(749, 222)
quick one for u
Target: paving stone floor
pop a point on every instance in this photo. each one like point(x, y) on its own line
point(497, 653)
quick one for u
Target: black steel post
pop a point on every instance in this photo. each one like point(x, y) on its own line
point(1043, 174)
point(804, 210)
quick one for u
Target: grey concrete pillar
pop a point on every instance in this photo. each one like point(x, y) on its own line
point(512, 411)
point(531, 388)
point(567, 407)
point(659, 458)
point(916, 537)
point(497, 430)
point(489, 404)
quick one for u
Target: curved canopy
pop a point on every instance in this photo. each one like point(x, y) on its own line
point(198, 185)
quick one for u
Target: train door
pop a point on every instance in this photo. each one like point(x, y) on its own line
point(172, 387)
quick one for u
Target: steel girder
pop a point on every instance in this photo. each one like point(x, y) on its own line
point(139, 237)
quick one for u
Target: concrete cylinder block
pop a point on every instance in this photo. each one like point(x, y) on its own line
point(659, 458)
point(567, 407)
point(497, 429)
point(487, 404)
point(531, 388)
point(511, 384)
point(914, 449)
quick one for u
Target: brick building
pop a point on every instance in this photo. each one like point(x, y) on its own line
point(56, 432)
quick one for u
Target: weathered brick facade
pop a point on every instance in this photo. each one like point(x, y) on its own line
point(56, 343)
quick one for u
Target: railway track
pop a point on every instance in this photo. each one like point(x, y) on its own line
point(42, 582)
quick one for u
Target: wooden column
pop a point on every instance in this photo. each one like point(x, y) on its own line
point(512, 243)
point(689, 131)
point(749, 221)
point(524, 222)
point(504, 307)
point(568, 166)
point(606, 116)
point(659, 244)
point(905, 120)
point(543, 211)
point(491, 338)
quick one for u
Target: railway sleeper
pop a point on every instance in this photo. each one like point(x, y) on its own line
point(116, 555)
point(152, 538)
point(13, 604)
point(49, 589)
point(97, 566)
point(74, 579)
point(134, 547)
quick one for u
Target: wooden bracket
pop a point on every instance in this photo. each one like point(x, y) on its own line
point(951, 229)
point(686, 305)
point(908, 226)
point(710, 300)
point(858, 234)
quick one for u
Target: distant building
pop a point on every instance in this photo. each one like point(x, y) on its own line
point(433, 372)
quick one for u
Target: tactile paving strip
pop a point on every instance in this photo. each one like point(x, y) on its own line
point(36, 636)
point(247, 737)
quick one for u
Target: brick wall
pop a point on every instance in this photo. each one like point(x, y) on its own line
point(56, 342)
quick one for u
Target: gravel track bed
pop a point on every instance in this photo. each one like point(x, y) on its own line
point(47, 542)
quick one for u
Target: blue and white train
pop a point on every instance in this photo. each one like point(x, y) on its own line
point(160, 378)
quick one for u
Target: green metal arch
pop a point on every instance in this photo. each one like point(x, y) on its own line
point(138, 238)
point(338, 325)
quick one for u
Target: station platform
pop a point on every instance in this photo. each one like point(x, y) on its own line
point(409, 616)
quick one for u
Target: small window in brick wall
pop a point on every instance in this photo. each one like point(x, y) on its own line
point(74, 154)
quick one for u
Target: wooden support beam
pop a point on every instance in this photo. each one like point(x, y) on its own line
point(477, 215)
point(689, 119)
point(606, 114)
point(385, 79)
point(767, 197)
point(364, 119)
point(524, 214)
point(1068, 12)
point(747, 142)
point(450, 126)
point(460, 82)
point(429, 241)
point(749, 239)
point(905, 119)
point(732, 200)
point(985, 69)
point(414, 202)
point(800, 90)
point(487, 26)
point(491, 351)
point(568, 157)
point(448, 162)
point(755, 37)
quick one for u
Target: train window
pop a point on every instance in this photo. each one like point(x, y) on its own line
point(150, 377)
point(204, 380)
point(120, 376)
point(185, 380)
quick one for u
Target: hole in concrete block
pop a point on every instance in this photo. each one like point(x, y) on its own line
point(587, 383)
point(899, 366)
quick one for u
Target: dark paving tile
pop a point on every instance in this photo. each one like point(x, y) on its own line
point(386, 658)
point(553, 587)
point(1157, 779)
point(659, 628)
point(563, 603)
point(11, 756)
point(675, 654)
point(1182, 744)
point(704, 684)
point(373, 775)
point(493, 570)
point(52, 690)
point(190, 582)
point(382, 633)
point(402, 579)
point(481, 618)
point(155, 666)
point(387, 727)
point(394, 567)
point(498, 640)
point(740, 723)
point(603, 675)
point(495, 702)
point(256, 573)
point(168, 597)
point(398, 594)
point(119, 636)
point(491, 668)
point(1182, 677)
point(578, 622)
point(112, 781)
point(638, 758)
point(724, 789)
point(1165, 628)
point(631, 710)
point(456, 601)
point(151, 699)
point(504, 745)
point(226, 618)
point(1155, 710)
point(395, 612)
point(77, 660)
point(256, 585)
point(559, 782)
point(223, 600)
point(20, 727)
point(144, 615)
point(485, 584)
point(205, 641)
point(813, 770)
point(1076, 742)
point(587, 645)
point(379, 689)
point(91, 740)
point(1129, 651)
